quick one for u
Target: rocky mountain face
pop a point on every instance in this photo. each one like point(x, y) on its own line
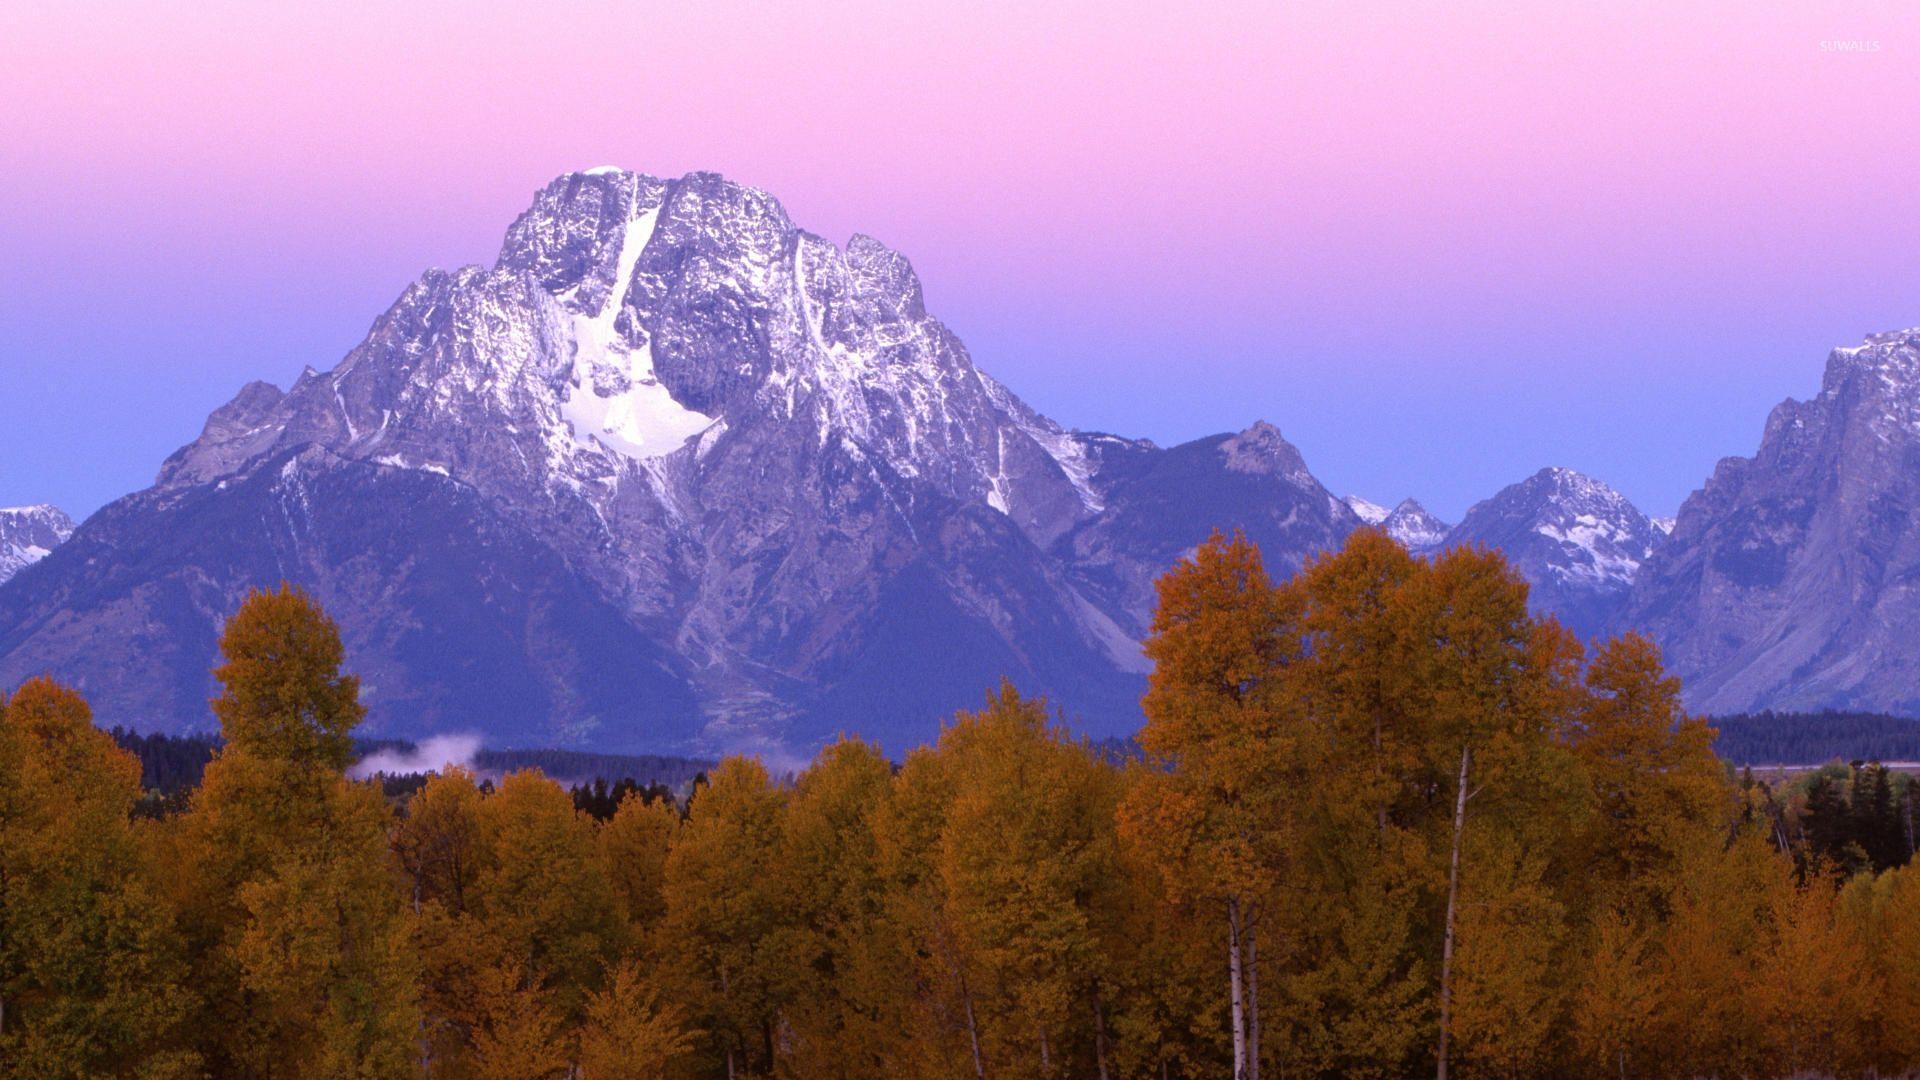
point(29, 534)
point(1792, 579)
point(672, 473)
point(1578, 542)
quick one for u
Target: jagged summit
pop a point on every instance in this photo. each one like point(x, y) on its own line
point(1785, 583)
point(1413, 525)
point(672, 471)
point(1262, 449)
point(1577, 540)
point(675, 473)
point(29, 534)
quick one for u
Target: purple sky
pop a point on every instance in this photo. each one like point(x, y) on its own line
point(1439, 249)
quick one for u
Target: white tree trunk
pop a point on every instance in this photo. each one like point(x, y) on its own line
point(1235, 998)
point(1253, 997)
point(1453, 898)
point(973, 1037)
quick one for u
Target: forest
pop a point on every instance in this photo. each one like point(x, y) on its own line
point(1769, 738)
point(1382, 822)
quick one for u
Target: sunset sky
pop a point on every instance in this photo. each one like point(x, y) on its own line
point(1438, 248)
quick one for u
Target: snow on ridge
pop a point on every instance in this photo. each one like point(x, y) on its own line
point(1068, 449)
point(1370, 512)
point(1071, 455)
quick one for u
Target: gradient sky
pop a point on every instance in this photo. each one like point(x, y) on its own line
point(1438, 248)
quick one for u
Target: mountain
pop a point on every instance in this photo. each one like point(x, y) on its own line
point(1410, 523)
point(672, 474)
point(28, 534)
point(1157, 505)
point(1578, 542)
point(1790, 578)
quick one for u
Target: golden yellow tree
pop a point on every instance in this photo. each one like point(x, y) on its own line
point(1658, 791)
point(1027, 862)
point(295, 911)
point(629, 1033)
point(1613, 1003)
point(848, 967)
point(518, 1033)
point(633, 846)
point(540, 897)
point(1882, 913)
point(438, 845)
point(723, 910)
point(90, 976)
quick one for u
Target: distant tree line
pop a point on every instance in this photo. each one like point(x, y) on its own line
point(1380, 822)
point(583, 766)
point(171, 767)
point(1810, 738)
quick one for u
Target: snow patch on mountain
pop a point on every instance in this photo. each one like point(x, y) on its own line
point(1579, 543)
point(613, 397)
point(1608, 557)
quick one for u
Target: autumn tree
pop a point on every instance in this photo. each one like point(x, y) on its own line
point(633, 845)
point(1658, 791)
point(540, 894)
point(629, 1033)
point(90, 976)
point(1216, 814)
point(847, 986)
point(294, 910)
point(723, 912)
point(1027, 865)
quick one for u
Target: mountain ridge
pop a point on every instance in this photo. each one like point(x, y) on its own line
point(1786, 581)
point(674, 473)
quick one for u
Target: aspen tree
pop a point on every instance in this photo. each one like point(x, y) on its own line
point(1216, 816)
point(296, 916)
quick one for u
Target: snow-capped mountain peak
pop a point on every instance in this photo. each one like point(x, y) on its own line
point(1408, 522)
point(1579, 542)
point(1415, 527)
point(29, 534)
point(677, 467)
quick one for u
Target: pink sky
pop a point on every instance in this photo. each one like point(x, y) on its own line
point(1439, 248)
